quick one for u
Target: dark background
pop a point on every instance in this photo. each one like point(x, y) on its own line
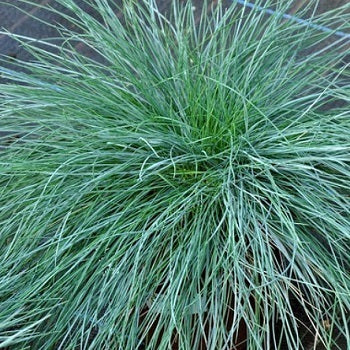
point(17, 17)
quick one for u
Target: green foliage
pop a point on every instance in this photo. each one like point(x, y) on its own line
point(189, 185)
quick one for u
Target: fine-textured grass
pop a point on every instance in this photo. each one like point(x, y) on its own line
point(190, 188)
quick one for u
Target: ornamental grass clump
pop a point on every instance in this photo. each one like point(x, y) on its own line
point(188, 189)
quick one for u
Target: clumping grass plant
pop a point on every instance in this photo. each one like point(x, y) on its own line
point(187, 190)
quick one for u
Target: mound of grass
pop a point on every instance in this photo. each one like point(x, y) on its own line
point(189, 190)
